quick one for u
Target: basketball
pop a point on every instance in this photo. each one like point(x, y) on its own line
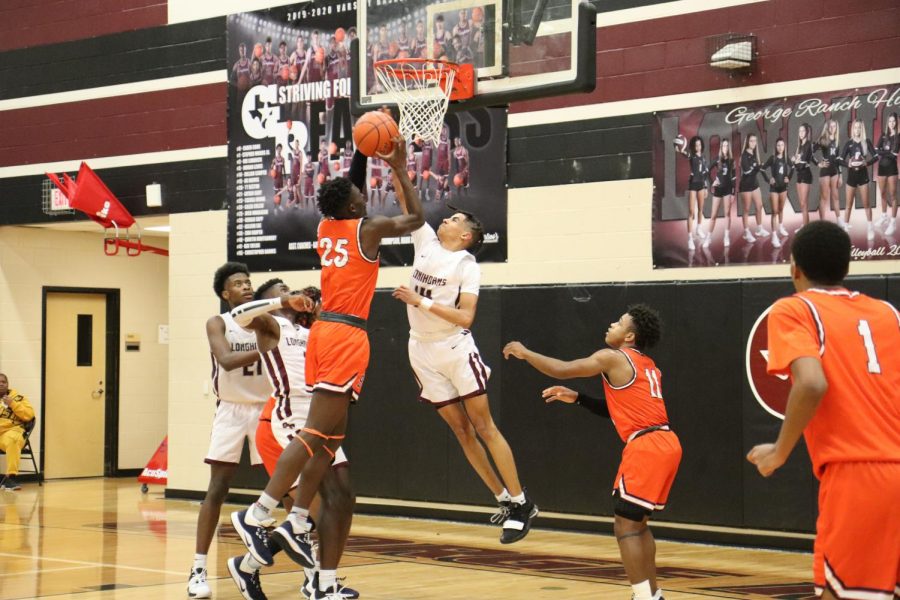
point(336, 165)
point(332, 148)
point(277, 200)
point(373, 133)
point(373, 182)
point(285, 73)
point(680, 141)
point(339, 34)
point(458, 180)
point(426, 174)
point(271, 172)
point(257, 50)
point(321, 178)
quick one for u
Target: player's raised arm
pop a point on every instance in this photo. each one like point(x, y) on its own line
point(599, 362)
point(255, 315)
point(378, 227)
point(227, 358)
point(462, 315)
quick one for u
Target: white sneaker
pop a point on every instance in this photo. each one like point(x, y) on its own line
point(762, 232)
point(690, 242)
point(882, 220)
point(892, 225)
point(707, 240)
point(843, 224)
point(775, 241)
point(197, 586)
point(870, 233)
point(748, 237)
point(727, 239)
point(782, 230)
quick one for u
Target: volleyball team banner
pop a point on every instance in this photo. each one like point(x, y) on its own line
point(691, 168)
point(290, 131)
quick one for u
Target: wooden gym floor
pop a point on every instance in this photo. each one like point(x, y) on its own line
point(102, 539)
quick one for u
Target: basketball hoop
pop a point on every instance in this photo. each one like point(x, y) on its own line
point(423, 88)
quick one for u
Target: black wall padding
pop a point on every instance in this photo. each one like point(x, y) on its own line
point(566, 456)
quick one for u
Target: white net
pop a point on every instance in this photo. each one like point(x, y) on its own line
point(422, 91)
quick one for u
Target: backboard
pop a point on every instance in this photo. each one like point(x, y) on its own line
point(521, 49)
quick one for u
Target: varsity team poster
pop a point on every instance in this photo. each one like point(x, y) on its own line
point(697, 159)
point(290, 130)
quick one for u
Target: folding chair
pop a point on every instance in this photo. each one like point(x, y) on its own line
point(28, 453)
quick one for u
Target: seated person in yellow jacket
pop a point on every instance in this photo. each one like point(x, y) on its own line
point(15, 412)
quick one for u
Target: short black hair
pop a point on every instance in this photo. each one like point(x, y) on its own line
point(333, 196)
point(647, 326)
point(312, 292)
point(822, 251)
point(265, 287)
point(226, 271)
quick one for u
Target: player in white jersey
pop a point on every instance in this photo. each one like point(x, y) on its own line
point(441, 299)
point(241, 390)
point(282, 348)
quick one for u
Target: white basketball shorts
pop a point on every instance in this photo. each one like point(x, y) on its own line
point(234, 422)
point(448, 370)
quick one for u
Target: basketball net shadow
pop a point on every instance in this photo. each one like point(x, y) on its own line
point(87, 193)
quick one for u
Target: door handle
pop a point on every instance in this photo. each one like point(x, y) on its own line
point(98, 392)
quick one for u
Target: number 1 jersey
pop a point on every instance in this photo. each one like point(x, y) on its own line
point(857, 340)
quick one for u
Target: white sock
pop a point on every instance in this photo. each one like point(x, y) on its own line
point(302, 513)
point(263, 507)
point(249, 564)
point(328, 579)
point(520, 499)
point(642, 591)
point(658, 594)
point(199, 562)
point(300, 523)
point(503, 496)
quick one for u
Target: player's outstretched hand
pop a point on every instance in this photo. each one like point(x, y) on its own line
point(766, 459)
point(404, 294)
point(301, 302)
point(397, 156)
point(560, 393)
point(516, 349)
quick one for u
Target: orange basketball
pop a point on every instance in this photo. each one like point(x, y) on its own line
point(271, 172)
point(332, 148)
point(258, 50)
point(277, 200)
point(336, 165)
point(373, 133)
point(426, 174)
point(321, 178)
point(285, 73)
point(457, 180)
point(373, 182)
point(339, 34)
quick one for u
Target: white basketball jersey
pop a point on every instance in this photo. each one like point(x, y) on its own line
point(244, 385)
point(285, 365)
point(441, 275)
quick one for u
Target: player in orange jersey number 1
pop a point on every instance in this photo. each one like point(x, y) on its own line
point(337, 354)
point(842, 351)
point(634, 402)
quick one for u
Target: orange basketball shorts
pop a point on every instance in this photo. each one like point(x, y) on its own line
point(857, 549)
point(268, 447)
point(648, 468)
point(337, 356)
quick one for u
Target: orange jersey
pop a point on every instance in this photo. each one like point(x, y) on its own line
point(348, 276)
point(857, 340)
point(639, 403)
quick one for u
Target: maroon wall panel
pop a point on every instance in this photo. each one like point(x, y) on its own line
point(26, 23)
point(797, 39)
point(176, 119)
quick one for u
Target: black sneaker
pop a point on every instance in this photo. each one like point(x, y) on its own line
point(247, 583)
point(311, 586)
point(518, 522)
point(11, 484)
point(254, 535)
point(297, 543)
point(502, 512)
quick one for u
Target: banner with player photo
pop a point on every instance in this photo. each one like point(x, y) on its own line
point(754, 173)
point(290, 130)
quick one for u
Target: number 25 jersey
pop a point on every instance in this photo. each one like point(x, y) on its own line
point(348, 275)
point(857, 340)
